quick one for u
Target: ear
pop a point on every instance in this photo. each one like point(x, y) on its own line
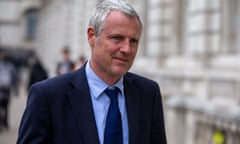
point(91, 36)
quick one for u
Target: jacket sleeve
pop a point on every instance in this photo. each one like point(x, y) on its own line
point(35, 124)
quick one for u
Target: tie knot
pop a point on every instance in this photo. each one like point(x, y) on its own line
point(112, 94)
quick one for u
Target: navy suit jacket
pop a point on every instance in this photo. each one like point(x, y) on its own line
point(59, 111)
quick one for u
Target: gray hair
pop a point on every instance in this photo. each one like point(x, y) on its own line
point(103, 9)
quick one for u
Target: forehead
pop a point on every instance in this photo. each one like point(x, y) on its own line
point(117, 19)
point(114, 14)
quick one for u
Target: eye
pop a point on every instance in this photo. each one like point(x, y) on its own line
point(116, 38)
point(134, 42)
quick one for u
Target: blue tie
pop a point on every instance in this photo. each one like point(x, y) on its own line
point(113, 129)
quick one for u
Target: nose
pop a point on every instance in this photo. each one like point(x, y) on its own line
point(125, 47)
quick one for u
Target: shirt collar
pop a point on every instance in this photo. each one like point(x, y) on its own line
point(97, 85)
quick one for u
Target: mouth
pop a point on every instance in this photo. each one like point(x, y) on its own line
point(121, 60)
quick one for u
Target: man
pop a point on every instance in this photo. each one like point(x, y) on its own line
point(75, 107)
point(7, 83)
point(37, 71)
point(66, 65)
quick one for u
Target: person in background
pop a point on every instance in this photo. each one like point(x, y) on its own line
point(37, 71)
point(80, 62)
point(7, 83)
point(66, 65)
point(101, 103)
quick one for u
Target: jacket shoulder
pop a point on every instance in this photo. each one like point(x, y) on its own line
point(140, 80)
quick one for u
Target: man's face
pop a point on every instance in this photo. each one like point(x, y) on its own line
point(114, 50)
point(66, 55)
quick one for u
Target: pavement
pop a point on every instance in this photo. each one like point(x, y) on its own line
point(17, 105)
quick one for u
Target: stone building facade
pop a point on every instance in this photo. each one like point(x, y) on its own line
point(191, 47)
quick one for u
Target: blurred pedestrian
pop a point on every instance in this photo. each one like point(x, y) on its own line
point(66, 64)
point(80, 62)
point(37, 70)
point(7, 82)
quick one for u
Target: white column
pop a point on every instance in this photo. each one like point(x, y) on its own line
point(225, 26)
point(180, 126)
point(237, 27)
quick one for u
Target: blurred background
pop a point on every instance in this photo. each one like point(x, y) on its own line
point(190, 47)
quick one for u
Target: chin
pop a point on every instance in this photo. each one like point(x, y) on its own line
point(120, 73)
point(120, 70)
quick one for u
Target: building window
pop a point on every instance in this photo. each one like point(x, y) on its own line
point(31, 23)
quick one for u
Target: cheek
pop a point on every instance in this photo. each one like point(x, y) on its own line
point(100, 54)
point(134, 52)
point(105, 49)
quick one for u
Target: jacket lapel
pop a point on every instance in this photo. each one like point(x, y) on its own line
point(80, 101)
point(132, 103)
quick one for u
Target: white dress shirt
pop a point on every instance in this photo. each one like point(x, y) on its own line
point(101, 102)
